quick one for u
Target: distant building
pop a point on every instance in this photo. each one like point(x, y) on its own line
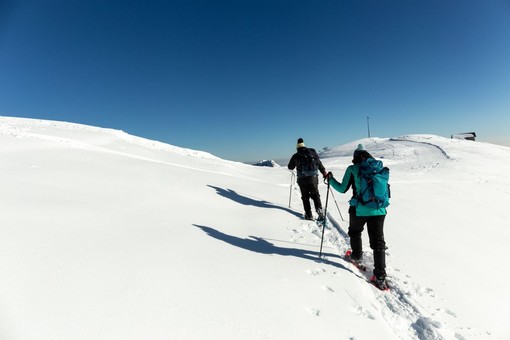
point(465, 135)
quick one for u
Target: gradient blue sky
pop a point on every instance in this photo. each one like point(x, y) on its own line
point(243, 79)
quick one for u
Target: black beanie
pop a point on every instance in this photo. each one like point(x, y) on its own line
point(300, 143)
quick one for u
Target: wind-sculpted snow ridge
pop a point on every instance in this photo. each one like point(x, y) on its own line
point(86, 137)
point(403, 315)
point(162, 146)
point(390, 147)
point(413, 140)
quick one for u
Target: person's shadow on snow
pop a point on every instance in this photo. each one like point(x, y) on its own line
point(234, 196)
point(260, 245)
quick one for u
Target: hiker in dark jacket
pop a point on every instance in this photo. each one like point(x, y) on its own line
point(307, 165)
point(359, 215)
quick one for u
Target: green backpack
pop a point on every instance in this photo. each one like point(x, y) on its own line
point(374, 188)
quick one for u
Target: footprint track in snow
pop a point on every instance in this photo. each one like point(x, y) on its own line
point(328, 289)
point(396, 305)
point(314, 312)
point(316, 271)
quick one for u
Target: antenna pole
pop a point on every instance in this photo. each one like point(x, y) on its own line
point(368, 126)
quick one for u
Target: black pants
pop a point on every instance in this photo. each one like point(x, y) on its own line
point(309, 190)
point(375, 227)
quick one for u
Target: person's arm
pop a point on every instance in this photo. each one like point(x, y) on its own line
point(346, 181)
point(322, 169)
point(292, 163)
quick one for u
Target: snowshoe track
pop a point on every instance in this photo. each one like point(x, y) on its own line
point(403, 314)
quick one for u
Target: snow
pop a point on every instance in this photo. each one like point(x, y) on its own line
point(110, 236)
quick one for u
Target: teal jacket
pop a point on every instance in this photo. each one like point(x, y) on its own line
point(351, 178)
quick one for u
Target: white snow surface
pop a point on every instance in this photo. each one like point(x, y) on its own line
point(104, 235)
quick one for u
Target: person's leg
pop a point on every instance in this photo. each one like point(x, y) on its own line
point(375, 227)
point(356, 225)
point(304, 186)
point(314, 193)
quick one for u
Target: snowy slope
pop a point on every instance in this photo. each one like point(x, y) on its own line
point(109, 236)
point(447, 227)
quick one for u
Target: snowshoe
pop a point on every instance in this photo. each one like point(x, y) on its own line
point(379, 282)
point(356, 262)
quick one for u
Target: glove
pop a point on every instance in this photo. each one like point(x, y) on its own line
point(324, 175)
point(327, 177)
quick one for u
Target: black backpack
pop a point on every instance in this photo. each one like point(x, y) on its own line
point(308, 163)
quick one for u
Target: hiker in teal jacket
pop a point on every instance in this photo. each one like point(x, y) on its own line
point(360, 214)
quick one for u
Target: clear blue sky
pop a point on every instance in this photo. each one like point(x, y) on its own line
point(243, 79)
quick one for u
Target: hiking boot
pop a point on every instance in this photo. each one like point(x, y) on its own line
point(355, 260)
point(309, 217)
point(379, 282)
point(320, 214)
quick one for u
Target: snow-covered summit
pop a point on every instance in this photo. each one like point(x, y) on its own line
point(405, 146)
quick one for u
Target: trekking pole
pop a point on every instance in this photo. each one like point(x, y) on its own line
point(336, 203)
point(291, 185)
point(325, 219)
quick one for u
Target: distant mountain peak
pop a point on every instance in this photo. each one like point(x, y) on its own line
point(267, 163)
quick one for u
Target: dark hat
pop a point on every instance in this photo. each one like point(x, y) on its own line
point(300, 143)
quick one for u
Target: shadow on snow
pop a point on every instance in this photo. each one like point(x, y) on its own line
point(260, 245)
point(234, 196)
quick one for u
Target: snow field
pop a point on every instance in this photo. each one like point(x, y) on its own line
point(111, 236)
